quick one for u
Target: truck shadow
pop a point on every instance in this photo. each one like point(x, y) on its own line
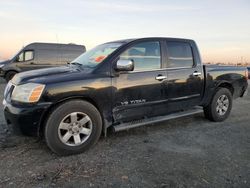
point(12, 140)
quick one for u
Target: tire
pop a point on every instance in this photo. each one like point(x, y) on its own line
point(9, 75)
point(217, 110)
point(62, 132)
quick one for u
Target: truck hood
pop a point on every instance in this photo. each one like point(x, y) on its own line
point(48, 75)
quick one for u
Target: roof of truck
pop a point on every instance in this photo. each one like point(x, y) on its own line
point(149, 38)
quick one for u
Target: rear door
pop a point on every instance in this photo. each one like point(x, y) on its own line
point(185, 76)
point(141, 93)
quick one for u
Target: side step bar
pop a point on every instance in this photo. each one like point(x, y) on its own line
point(138, 123)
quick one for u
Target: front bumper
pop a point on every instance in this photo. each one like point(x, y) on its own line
point(27, 119)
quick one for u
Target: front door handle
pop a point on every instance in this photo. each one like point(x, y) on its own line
point(160, 77)
point(196, 73)
point(32, 63)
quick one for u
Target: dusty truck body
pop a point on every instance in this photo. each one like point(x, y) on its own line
point(120, 85)
point(40, 55)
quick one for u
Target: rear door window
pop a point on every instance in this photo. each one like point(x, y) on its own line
point(179, 54)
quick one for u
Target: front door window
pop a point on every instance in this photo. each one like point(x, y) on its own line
point(146, 56)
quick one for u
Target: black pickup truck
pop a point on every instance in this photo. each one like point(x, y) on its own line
point(120, 85)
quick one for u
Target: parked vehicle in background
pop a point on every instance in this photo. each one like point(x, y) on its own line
point(120, 85)
point(40, 55)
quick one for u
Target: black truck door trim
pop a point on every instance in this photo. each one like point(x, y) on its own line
point(185, 97)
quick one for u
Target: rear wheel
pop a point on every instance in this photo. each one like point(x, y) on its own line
point(73, 127)
point(9, 75)
point(220, 105)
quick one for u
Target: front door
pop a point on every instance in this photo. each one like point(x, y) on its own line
point(141, 93)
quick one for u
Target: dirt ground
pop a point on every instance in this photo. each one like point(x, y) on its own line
point(186, 152)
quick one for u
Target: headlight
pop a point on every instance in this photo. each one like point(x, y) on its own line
point(28, 93)
point(1, 65)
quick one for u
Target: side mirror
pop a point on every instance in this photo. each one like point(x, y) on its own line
point(124, 65)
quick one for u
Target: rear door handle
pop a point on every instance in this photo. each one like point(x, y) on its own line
point(196, 73)
point(160, 77)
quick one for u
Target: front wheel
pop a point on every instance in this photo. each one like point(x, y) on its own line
point(220, 105)
point(73, 127)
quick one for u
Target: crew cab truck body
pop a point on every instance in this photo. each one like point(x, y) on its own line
point(40, 55)
point(121, 84)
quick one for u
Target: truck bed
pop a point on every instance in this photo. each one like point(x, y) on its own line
point(231, 76)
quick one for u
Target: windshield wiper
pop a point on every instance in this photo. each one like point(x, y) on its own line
point(76, 63)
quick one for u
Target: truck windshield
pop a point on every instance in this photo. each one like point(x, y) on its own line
point(92, 58)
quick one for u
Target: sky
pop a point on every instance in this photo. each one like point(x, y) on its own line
point(220, 28)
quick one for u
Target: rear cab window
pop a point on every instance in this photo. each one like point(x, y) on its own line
point(179, 55)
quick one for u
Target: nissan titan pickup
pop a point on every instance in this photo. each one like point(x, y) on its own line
point(120, 85)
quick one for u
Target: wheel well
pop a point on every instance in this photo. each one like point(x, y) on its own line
point(9, 71)
point(228, 86)
point(48, 111)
